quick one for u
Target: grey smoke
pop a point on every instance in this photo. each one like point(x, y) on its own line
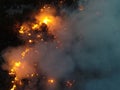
point(99, 48)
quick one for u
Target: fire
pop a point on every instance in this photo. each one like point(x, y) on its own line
point(15, 67)
point(29, 34)
point(35, 26)
point(21, 30)
point(17, 64)
point(12, 72)
point(32, 32)
point(24, 29)
point(30, 41)
point(24, 52)
point(46, 20)
point(42, 28)
point(51, 81)
point(13, 88)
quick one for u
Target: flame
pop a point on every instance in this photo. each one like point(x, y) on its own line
point(24, 29)
point(47, 20)
point(21, 30)
point(30, 41)
point(13, 88)
point(15, 67)
point(29, 34)
point(17, 64)
point(51, 81)
point(31, 31)
point(26, 51)
point(35, 26)
point(13, 72)
point(27, 30)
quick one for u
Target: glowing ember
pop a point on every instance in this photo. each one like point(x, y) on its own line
point(13, 88)
point(21, 30)
point(35, 26)
point(29, 34)
point(24, 52)
point(51, 81)
point(14, 68)
point(12, 72)
point(30, 41)
point(32, 32)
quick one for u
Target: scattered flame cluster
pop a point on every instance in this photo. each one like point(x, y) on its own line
point(32, 32)
point(12, 72)
point(16, 67)
point(38, 30)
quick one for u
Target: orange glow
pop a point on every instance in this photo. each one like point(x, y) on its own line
point(24, 52)
point(24, 29)
point(12, 72)
point(30, 31)
point(51, 81)
point(30, 41)
point(21, 30)
point(46, 20)
point(14, 67)
point(46, 16)
point(13, 88)
point(29, 34)
point(17, 64)
point(35, 26)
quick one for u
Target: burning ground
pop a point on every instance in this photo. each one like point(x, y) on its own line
point(64, 50)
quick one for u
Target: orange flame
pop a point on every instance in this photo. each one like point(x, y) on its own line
point(24, 52)
point(51, 81)
point(14, 87)
point(46, 17)
point(12, 72)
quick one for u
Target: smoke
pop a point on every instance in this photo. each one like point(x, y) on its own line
point(88, 41)
point(100, 31)
point(99, 49)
